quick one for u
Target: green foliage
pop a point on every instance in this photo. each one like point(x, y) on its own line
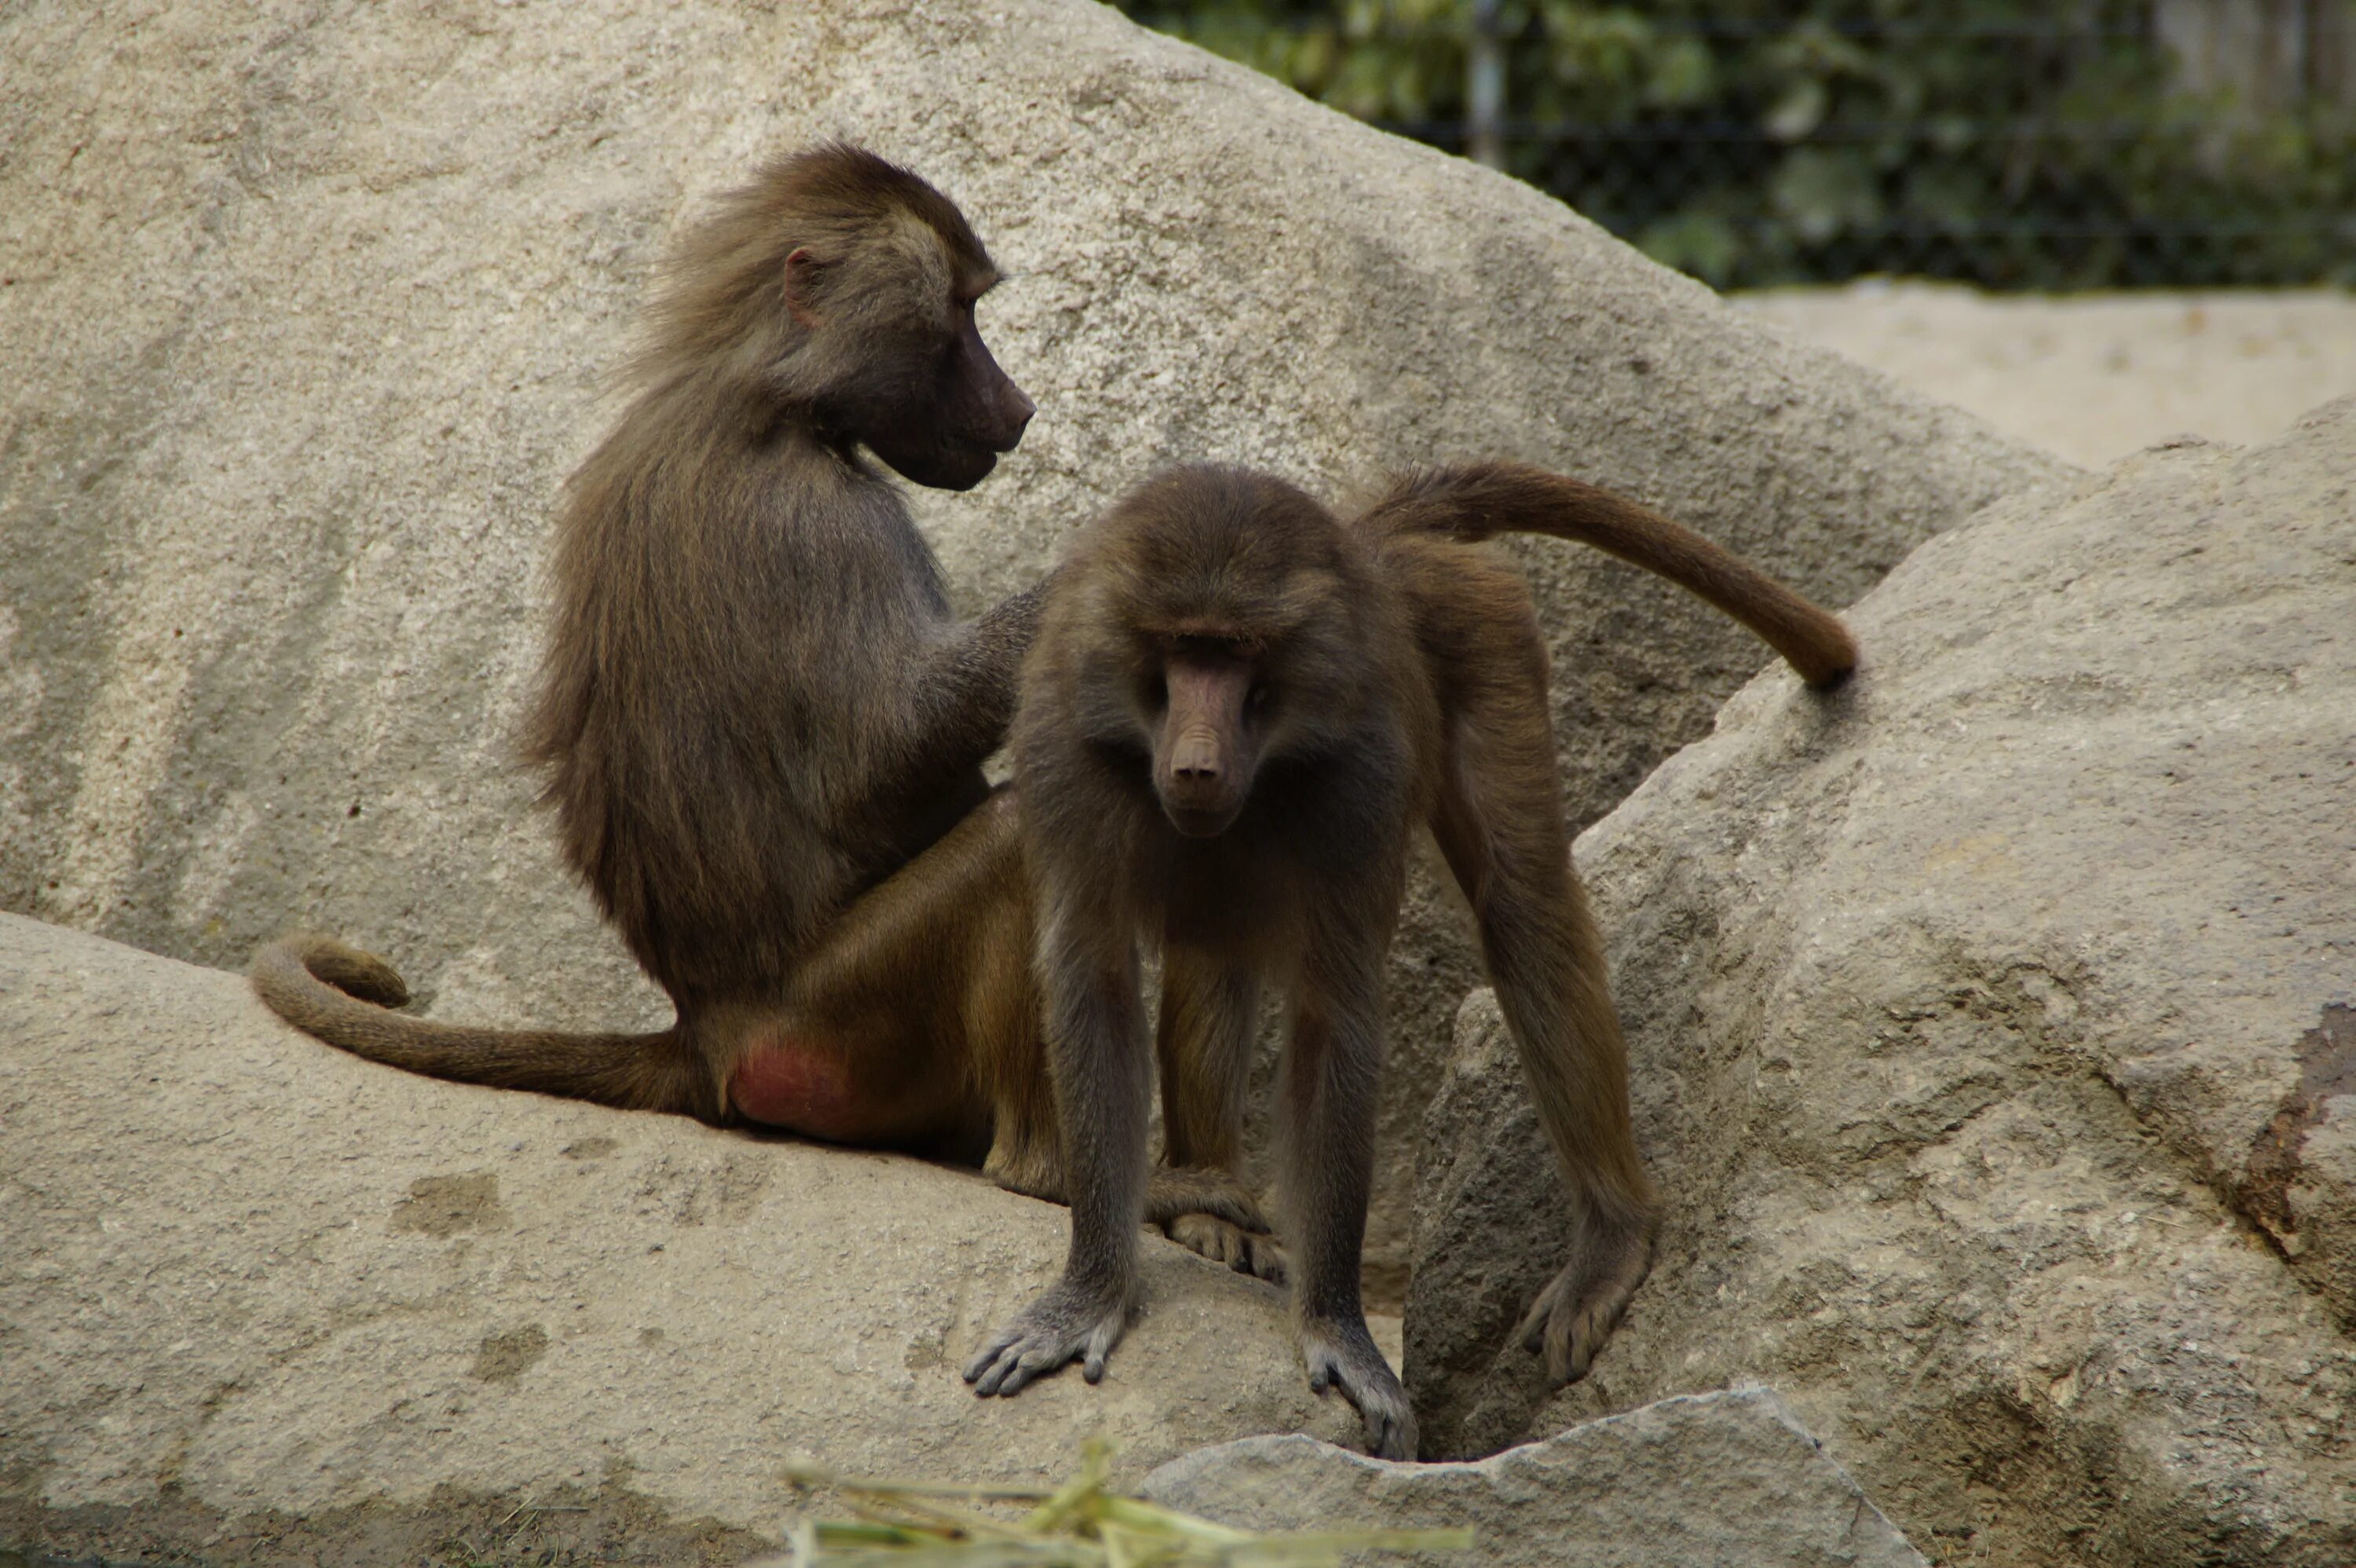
point(2009, 143)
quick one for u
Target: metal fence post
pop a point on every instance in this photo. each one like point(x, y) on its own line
point(1484, 87)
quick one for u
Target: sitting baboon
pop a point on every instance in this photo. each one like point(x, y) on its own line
point(762, 730)
point(1236, 713)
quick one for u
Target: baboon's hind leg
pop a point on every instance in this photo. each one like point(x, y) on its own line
point(1499, 823)
point(1209, 1010)
point(1198, 1201)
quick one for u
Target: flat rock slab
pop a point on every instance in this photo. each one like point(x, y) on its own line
point(258, 1296)
point(1716, 1480)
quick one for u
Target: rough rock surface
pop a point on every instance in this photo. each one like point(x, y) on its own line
point(259, 1298)
point(1717, 1481)
point(1993, 1041)
point(305, 308)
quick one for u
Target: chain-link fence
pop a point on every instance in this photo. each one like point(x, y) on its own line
point(2074, 144)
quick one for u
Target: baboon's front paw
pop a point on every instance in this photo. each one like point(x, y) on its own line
point(1575, 1314)
point(1064, 1324)
point(1246, 1251)
point(1342, 1356)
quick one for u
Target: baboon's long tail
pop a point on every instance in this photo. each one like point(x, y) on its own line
point(341, 995)
point(1481, 500)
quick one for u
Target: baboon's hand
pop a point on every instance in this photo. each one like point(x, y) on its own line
point(1246, 1251)
point(1575, 1314)
point(1068, 1323)
point(1341, 1355)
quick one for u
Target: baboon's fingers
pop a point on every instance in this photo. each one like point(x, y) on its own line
point(983, 1363)
point(1020, 1361)
point(1100, 1345)
point(1531, 1330)
point(1006, 1368)
point(1266, 1260)
point(1065, 1325)
point(1578, 1310)
point(1342, 1356)
point(1572, 1338)
point(1568, 1331)
point(1246, 1251)
point(1207, 1236)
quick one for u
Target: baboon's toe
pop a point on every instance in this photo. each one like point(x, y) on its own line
point(1246, 1251)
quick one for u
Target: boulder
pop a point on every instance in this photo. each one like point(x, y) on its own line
point(1716, 1480)
point(306, 314)
point(1992, 1036)
point(263, 1301)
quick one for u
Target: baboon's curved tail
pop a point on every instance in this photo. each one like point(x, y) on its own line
point(342, 994)
point(1478, 501)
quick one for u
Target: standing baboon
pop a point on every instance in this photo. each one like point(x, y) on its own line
point(1236, 713)
point(763, 731)
point(762, 734)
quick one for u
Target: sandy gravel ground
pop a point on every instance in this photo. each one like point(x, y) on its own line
point(2092, 377)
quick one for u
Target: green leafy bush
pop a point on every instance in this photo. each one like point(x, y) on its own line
point(2014, 144)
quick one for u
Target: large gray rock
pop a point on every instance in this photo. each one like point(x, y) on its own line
point(1718, 1480)
point(255, 1293)
point(304, 312)
point(1993, 1042)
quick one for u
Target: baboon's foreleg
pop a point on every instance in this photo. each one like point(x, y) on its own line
point(1332, 1074)
point(1102, 1064)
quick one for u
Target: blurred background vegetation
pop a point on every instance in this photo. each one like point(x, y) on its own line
point(2009, 144)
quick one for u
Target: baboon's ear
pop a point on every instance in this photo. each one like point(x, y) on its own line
point(803, 272)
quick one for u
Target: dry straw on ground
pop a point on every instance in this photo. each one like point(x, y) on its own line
point(921, 1524)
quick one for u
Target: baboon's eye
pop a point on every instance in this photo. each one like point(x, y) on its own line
point(1157, 692)
point(1256, 698)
